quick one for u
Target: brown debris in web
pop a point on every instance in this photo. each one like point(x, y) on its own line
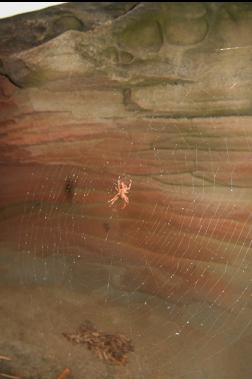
point(112, 348)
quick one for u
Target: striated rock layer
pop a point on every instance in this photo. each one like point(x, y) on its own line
point(156, 93)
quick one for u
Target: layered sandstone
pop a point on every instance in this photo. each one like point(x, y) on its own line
point(155, 93)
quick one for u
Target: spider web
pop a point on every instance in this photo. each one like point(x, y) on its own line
point(221, 327)
point(175, 333)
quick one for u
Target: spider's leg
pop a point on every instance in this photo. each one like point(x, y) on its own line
point(119, 182)
point(126, 200)
point(113, 200)
point(124, 204)
point(110, 201)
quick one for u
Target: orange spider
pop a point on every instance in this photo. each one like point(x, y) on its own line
point(122, 191)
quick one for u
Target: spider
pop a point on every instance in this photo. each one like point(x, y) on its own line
point(122, 189)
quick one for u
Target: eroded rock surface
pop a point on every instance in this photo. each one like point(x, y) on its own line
point(159, 93)
point(157, 52)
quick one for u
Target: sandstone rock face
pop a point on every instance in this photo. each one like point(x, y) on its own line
point(156, 93)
